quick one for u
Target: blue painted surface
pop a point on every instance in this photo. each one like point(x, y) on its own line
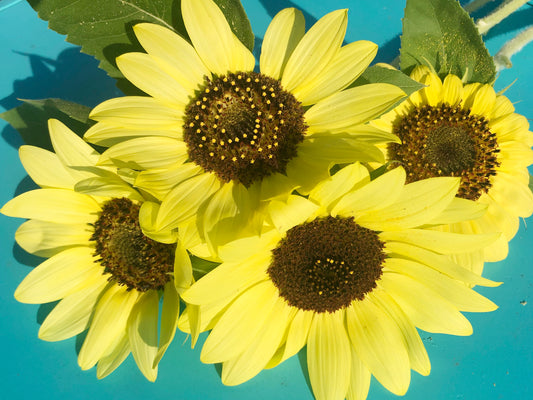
point(494, 363)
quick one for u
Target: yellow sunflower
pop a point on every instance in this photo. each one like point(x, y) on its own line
point(471, 132)
point(350, 272)
point(215, 138)
point(108, 275)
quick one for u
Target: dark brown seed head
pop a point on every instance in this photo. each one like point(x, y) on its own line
point(130, 258)
point(243, 127)
point(326, 264)
point(447, 141)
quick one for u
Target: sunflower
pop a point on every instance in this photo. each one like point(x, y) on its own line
point(107, 273)
point(351, 272)
point(471, 132)
point(216, 139)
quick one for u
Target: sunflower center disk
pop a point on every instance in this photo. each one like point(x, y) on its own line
point(447, 141)
point(326, 264)
point(131, 258)
point(243, 127)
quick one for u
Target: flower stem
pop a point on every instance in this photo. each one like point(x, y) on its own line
point(503, 11)
point(475, 5)
point(502, 59)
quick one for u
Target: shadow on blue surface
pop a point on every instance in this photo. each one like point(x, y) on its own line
point(25, 258)
point(73, 76)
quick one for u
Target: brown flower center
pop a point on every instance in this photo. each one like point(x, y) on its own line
point(326, 264)
point(131, 258)
point(243, 127)
point(447, 141)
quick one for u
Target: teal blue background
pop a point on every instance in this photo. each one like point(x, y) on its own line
point(494, 363)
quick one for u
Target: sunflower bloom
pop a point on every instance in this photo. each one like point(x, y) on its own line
point(350, 272)
point(108, 275)
point(471, 132)
point(216, 139)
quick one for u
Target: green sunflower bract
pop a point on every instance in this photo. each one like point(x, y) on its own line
point(351, 272)
point(216, 140)
point(108, 274)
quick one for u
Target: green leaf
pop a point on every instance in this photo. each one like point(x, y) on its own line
point(379, 74)
point(31, 119)
point(531, 182)
point(440, 34)
point(200, 267)
point(239, 22)
point(104, 28)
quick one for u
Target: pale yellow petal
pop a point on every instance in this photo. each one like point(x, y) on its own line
point(169, 320)
point(418, 203)
point(139, 111)
point(240, 324)
point(509, 194)
point(281, 37)
point(276, 186)
point(296, 337)
point(228, 214)
point(328, 356)
point(499, 218)
point(419, 72)
point(147, 219)
point(376, 194)
point(432, 93)
point(459, 210)
point(257, 354)
point(228, 279)
point(45, 239)
point(441, 242)
point(108, 323)
point(243, 248)
point(213, 39)
point(315, 50)
point(438, 262)
point(416, 351)
point(424, 307)
point(482, 102)
point(183, 277)
point(147, 153)
point(119, 350)
point(196, 319)
point(359, 378)
point(142, 332)
point(59, 276)
point(107, 135)
point(159, 182)
point(511, 127)
point(352, 107)
point(295, 211)
point(180, 59)
point(379, 343)
point(349, 62)
point(325, 152)
point(109, 186)
point(71, 315)
point(327, 192)
point(452, 90)
point(469, 93)
point(71, 150)
point(144, 72)
point(184, 200)
point(45, 168)
point(54, 205)
point(377, 133)
point(462, 297)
